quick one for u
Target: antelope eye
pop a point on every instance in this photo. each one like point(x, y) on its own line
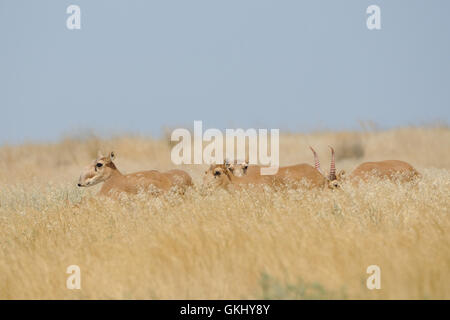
point(99, 165)
point(217, 173)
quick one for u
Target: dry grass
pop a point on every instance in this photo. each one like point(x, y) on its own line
point(253, 245)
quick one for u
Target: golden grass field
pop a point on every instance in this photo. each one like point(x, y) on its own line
point(273, 245)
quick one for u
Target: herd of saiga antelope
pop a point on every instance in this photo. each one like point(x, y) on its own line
point(238, 176)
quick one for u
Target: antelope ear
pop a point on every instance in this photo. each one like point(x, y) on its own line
point(341, 174)
point(111, 156)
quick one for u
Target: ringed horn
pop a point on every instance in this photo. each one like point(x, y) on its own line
point(316, 160)
point(332, 175)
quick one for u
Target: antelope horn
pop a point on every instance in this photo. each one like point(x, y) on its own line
point(332, 175)
point(316, 160)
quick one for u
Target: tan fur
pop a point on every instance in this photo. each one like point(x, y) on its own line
point(114, 182)
point(291, 176)
point(387, 169)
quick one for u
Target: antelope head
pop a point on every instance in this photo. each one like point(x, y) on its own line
point(98, 171)
point(332, 178)
point(217, 175)
point(237, 168)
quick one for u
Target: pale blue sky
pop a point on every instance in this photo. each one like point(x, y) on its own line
point(136, 66)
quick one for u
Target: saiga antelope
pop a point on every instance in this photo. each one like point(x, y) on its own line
point(386, 169)
point(104, 170)
point(241, 174)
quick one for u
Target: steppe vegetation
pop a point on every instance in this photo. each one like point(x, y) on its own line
point(296, 244)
